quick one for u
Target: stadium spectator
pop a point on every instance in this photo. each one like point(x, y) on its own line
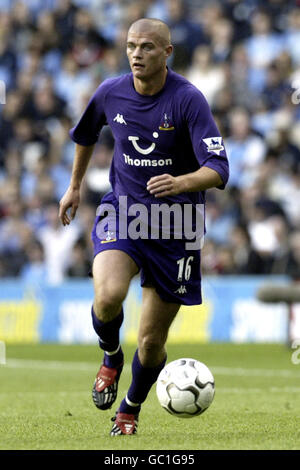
point(294, 271)
point(205, 74)
point(10, 113)
point(239, 78)
point(263, 46)
point(292, 35)
point(15, 233)
point(88, 44)
point(34, 271)
point(246, 259)
point(221, 40)
point(186, 34)
point(80, 261)
point(246, 150)
point(64, 14)
point(57, 244)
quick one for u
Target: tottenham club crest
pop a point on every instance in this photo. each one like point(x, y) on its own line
point(166, 124)
point(214, 144)
point(110, 237)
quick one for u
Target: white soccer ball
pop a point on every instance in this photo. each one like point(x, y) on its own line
point(185, 388)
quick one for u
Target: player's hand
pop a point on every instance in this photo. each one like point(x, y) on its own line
point(71, 199)
point(165, 185)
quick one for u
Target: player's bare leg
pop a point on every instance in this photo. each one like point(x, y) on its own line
point(112, 273)
point(156, 319)
point(149, 359)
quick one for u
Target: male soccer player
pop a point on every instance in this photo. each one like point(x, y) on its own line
point(167, 150)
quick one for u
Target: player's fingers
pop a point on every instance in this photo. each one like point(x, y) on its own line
point(73, 211)
point(157, 180)
point(158, 186)
point(165, 191)
point(66, 220)
point(153, 179)
point(62, 214)
point(164, 194)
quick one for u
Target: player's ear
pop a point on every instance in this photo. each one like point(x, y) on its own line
point(168, 50)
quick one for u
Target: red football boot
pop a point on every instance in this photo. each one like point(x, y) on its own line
point(124, 424)
point(105, 387)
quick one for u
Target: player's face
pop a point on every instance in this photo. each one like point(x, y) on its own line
point(146, 55)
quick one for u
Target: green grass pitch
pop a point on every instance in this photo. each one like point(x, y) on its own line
point(45, 401)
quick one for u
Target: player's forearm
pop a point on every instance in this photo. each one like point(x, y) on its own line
point(167, 185)
point(81, 160)
point(200, 180)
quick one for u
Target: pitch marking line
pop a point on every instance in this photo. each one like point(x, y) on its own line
point(244, 371)
point(51, 365)
point(229, 390)
point(90, 366)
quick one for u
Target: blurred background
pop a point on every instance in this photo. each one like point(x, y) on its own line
point(245, 58)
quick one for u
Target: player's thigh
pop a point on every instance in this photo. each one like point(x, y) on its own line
point(156, 319)
point(112, 273)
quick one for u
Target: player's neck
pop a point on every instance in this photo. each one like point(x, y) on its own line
point(152, 85)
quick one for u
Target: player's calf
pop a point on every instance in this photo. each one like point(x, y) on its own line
point(105, 387)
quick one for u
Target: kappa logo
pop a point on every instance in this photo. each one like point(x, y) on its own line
point(181, 290)
point(214, 144)
point(120, 119)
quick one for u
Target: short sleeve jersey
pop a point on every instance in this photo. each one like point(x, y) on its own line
point(170, 132)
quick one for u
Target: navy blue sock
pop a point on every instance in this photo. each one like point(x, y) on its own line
point(142, 380)
point(109, 338)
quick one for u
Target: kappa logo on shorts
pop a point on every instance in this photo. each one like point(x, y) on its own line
point(110, 237)
point(181, 290)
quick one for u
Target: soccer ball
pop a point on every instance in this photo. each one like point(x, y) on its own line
point(185, 388)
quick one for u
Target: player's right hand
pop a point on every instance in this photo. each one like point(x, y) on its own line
point(70, 199)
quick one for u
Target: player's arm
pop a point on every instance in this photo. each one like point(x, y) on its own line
point(168, 185)
point(208, 149)
point(85, 135)
point(71, 198)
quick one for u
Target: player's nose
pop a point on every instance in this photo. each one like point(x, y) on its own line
point(137, 53)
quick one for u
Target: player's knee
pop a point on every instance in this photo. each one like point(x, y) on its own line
point(151, 350)
point(150, 344)
point(108, 301)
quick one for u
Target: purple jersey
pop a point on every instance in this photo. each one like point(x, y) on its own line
point(170, 132)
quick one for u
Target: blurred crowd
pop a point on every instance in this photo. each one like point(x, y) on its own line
point(245, 58)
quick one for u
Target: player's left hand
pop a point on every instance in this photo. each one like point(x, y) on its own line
point(165, 185)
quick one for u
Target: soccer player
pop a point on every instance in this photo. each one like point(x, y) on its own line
point(168, 150)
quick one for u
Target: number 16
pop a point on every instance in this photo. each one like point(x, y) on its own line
point(184, 265)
